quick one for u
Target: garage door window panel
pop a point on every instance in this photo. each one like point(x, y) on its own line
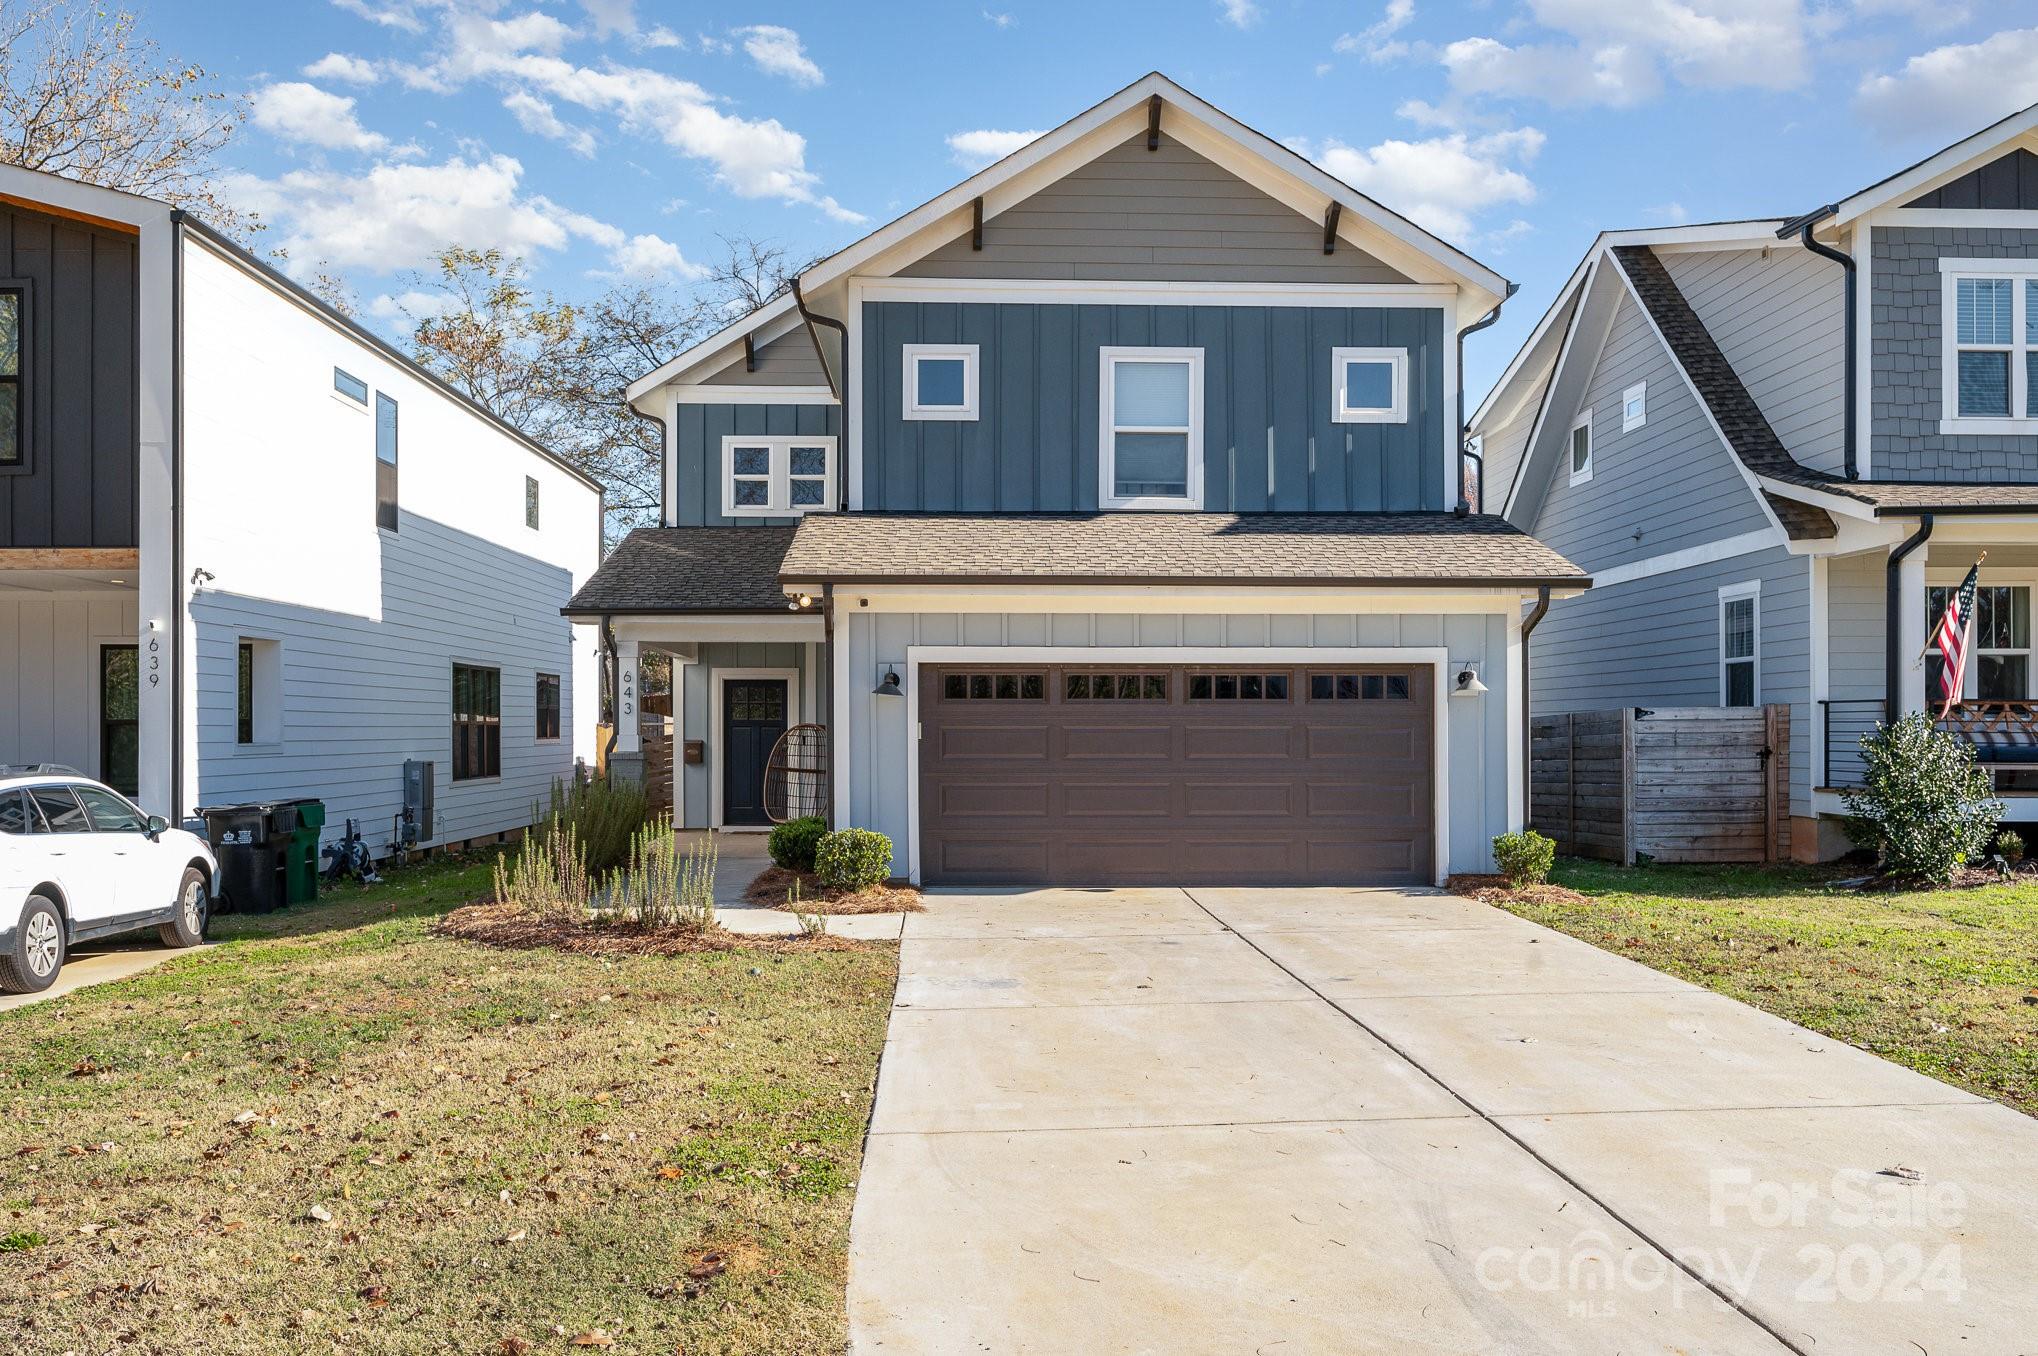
point(1238, 687)
point(1351, 687)
point(985, 687)
point(1123, 687)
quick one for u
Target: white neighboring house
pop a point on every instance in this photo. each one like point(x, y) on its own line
point(250, 551)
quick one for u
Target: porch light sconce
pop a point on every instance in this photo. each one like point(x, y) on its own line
point(801, 603)
point(1468, 684)
point(888, 686)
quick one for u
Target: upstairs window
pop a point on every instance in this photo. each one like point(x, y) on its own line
point(1370, 385)
point(1990, 342)
point(385, 462)
point(941, 381)
point(1151, 440)
point(13, 305)
point(350, 387)
point(1581, 448)
point(531, 502)
point(1740, 658)
point(777, 477)
point(1634, 407)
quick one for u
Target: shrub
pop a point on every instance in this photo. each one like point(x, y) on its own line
point(549, 876)
point(603, 815)
point(853, 859)
point(792, 843)
point(2009, 846)
point(663, 887)
point(1923, 806)
point(1524, 858)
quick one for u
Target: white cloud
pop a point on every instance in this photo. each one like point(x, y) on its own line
point(996, 20)
point(1951, 91)
point(1672, 213)
point(1377, 43)
point(536, 116)
point(400, 216)
point(777, 51)
point(974, 150)
point(1932, 14)
point(660, 36)
point(648, 256)
point(611, 17)
point(1444, 182)
point(410, 305)
point(398, 15)
point(1618, 52)
point(297, 112)
point(1240, 13)
point(339, 66)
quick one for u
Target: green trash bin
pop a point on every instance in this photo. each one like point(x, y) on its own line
point(301, 873)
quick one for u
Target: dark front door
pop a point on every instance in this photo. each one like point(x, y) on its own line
point(119, 713)
point(1197, 774)
point(753, 718)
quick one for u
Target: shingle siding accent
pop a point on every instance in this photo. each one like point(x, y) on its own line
point(1905, 378)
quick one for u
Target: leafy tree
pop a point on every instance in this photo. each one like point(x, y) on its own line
point(83, 95)
point(1923, 805)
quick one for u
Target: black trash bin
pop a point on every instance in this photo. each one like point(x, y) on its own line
point(252, 843)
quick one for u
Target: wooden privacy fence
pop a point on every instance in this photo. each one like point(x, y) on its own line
point(1674, 784)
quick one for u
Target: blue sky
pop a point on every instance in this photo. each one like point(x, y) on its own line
point(601, 138)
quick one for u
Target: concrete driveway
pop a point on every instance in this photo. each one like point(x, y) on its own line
point(1298, 1121)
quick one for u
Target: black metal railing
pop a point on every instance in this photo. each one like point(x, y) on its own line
point(1841, 726)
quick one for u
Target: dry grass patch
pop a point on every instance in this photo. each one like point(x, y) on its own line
point(341, 1131)
point(509, 927)
point(774, 885)
point(1496, 890)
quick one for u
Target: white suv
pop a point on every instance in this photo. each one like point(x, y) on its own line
point(79, 861)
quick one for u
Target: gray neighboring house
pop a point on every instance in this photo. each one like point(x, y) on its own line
point(1104, 513)
point(1775, 494)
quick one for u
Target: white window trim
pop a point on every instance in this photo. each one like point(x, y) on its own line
point(1951, 271)
point(1584, 421)
point(1752, 590)
point(1970, 682)
point(1395, 413)
point(1638, 392)
point(1107, 443)
point(780, 503)
point(913, 409)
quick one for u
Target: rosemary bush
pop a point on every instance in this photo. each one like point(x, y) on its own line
point(549, 876)
point(663, 887)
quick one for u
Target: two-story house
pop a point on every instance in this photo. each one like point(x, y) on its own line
point(1104, 514)
point(249, 551)
point(1778, 445)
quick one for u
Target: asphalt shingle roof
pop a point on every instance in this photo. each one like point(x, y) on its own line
point(1208, 548)
point(688, 569)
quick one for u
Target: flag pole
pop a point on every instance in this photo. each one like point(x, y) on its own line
point(1927, 649)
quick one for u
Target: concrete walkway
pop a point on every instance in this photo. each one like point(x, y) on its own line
point(1348, 1121)
point(99, 963)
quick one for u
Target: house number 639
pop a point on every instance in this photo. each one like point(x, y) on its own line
point(155, 661)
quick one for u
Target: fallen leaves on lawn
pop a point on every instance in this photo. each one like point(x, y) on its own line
point(508, 927)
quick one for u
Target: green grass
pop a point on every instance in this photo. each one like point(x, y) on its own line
point(1945, 982)
point(515, 1148)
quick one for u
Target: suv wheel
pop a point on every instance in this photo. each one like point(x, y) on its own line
point(187, 926)
point(31, 962)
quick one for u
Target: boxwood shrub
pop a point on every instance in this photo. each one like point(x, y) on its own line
point(853, 859)
point(792, 843)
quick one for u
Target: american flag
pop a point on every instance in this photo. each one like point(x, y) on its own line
point(1955, 625)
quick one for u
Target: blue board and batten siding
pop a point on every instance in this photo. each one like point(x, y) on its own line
point(697, 433)
point(1269, 443)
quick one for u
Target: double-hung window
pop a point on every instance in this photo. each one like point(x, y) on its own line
point(2001, 666)
point(1150, 443)
point(777, 477)
point(941, 381)
point(477, 722)
point(1740, 645)
point(1990, 345)
point(548, 706)
point(1369, 385)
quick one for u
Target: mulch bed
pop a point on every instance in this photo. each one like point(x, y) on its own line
point(772, 884)
point(509, 927)
point(1496, 890)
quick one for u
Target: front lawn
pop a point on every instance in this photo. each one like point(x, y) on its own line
point(1945, 982)
point(337, 1130)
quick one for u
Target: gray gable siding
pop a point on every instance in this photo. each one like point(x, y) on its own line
point(1656, 642)
point(697, 435)
point(1268, 440)
point(788, 360)
point(77, 482)
point(1500, 453)
point(1777, 316)
point(1667, 485)
point(2009, 183)
point(1168, 214)
point(1906, 399)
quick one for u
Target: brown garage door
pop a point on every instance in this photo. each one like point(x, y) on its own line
point(1129, 775)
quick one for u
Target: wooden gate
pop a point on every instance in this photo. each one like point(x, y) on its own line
point(1672, 784)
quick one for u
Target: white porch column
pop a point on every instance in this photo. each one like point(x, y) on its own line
point(1910, 637)
point(628, 740)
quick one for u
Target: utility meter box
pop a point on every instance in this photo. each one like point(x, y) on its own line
point(418, 791)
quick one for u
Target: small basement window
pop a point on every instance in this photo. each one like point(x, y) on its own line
point(1581, 448)
point(777, 477)
point(941, 381)
point(1634, 407)
point(1369, 385)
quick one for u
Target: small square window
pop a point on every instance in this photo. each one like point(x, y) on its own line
point(1634, 407)
point(980, 687)
point(1008, 686)
point(1199, 687)
point(1077, 687)
point(1033, 687)
point(1397, 687)
point(1369, 385)
point(940, 381)
point(1226, 687)
point(1156, 687)
point(1277, 687)
point(955, 687)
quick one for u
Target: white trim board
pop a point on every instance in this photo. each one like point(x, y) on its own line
point(1710, 553)
point(716, 679)
point(753, 395)
point(1438, 657)
point(1130, 292)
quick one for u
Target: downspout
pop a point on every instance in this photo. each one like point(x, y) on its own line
point(1465, 443)
point(177, 515)
point(664, 459)
point(1528, 625)
point(608, 640)
point(839, 388)
point(1892, 620)
point(828, 711)
point(1802, 227)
